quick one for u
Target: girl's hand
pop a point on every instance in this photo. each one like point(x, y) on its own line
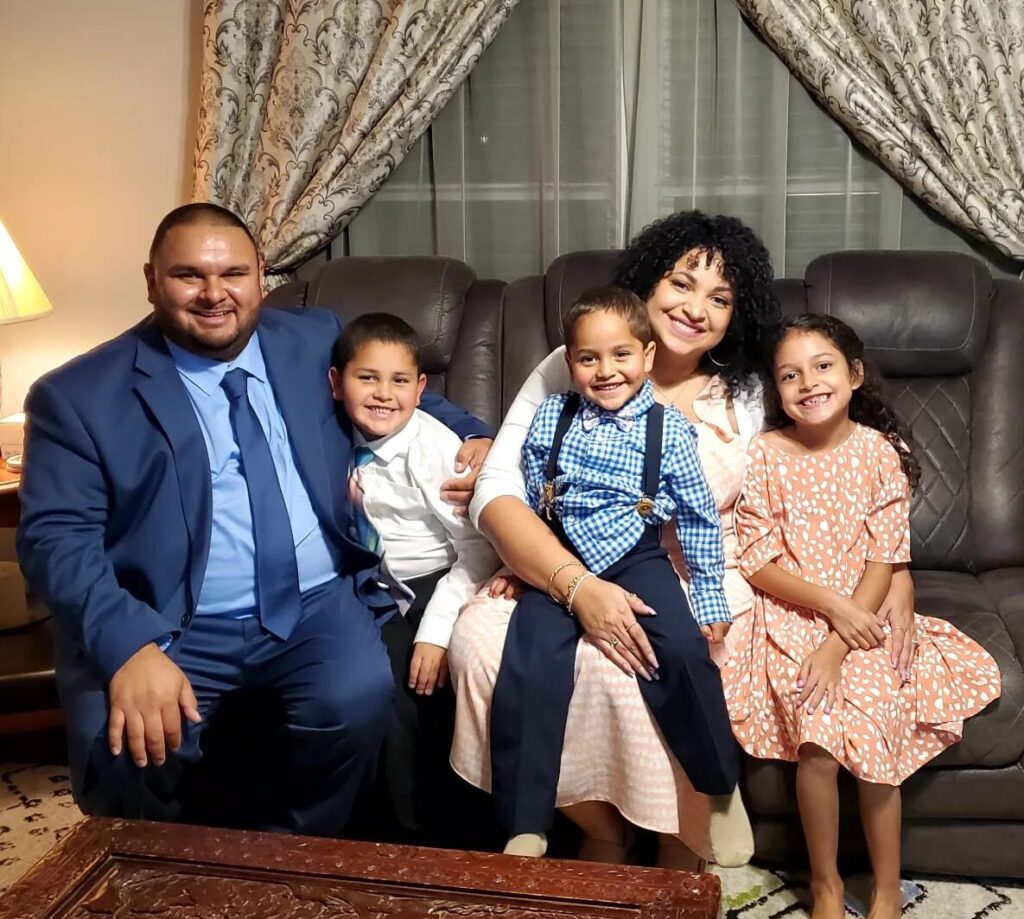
point(898, 610)
point(855, 624)
point(608, 616)
point(819, 679)
point(716, 631)
point(505, 587)
point(428, 668)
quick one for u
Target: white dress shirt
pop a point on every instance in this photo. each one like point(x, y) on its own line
point(502, 474)
point(420, 533)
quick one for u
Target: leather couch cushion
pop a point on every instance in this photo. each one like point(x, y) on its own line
point(993, 738)
point(919, 313)
point(567, 277)
point(427, 292)
point(938, 412)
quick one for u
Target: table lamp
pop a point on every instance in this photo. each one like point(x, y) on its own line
point(21, 297)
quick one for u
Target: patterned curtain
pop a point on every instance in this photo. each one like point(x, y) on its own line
point(307, 106)
point(935, 90)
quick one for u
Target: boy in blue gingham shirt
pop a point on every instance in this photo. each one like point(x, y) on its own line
point(607, 467)
point(601, 466)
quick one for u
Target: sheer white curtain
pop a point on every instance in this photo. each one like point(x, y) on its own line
point(587, 119)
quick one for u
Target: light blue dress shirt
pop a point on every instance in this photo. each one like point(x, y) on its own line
point(229, 585)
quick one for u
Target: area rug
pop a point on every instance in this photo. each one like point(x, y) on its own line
point(36, 811)
point(754, 892)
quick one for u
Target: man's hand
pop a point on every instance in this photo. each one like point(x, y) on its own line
point(855, 624)
point(715, 632)
point(459, 489)
point(428, 669)
point(147, 697)
point(608, 616)
point(505, 587)
point(819, 678)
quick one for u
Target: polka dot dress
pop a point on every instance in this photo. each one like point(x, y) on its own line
point(822, 517)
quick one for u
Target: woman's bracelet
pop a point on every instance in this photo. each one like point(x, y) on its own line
point(574, 585)
point(554, 574)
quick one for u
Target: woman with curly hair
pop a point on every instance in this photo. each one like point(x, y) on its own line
point(706, 281)
point(823, 518)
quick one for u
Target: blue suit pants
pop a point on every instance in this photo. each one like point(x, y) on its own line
point(331, 689)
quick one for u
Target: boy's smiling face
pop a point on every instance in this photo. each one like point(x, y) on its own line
point(379, 387)
point(607, 362)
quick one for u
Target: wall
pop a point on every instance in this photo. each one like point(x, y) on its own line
point(96, 129)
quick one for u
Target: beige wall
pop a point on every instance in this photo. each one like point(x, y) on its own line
point(96, 124)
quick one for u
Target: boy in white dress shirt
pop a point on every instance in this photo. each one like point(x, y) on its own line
point(437, 560)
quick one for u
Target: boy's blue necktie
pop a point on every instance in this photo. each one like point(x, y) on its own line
point(364, 532)
point(277, 573)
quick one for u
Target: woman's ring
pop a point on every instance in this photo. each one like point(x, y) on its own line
point(628, 627)
point(614, 642)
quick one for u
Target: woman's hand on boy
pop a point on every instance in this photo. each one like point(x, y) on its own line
point(855, 624)
point(428, 669)
point(458, 490)
point(608, 616)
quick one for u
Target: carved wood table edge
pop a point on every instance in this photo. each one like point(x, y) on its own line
point(425, 882)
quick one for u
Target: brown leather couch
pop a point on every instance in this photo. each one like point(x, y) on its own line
point(946, 336)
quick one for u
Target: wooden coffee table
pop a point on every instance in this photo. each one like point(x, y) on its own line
point(129, 869)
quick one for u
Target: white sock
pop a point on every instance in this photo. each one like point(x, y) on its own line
point(732, 839)
point(530, 845)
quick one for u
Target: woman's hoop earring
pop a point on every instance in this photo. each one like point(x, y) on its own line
point(711, 357)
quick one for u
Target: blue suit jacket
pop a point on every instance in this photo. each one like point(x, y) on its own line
point(116, 497)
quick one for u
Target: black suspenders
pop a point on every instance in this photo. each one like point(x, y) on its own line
point(652, 455)
point(652, 458)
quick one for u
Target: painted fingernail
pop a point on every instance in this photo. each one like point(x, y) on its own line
point(654, 674)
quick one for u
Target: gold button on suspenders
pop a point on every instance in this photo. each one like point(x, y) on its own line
point(569, 410)
point(652, 459)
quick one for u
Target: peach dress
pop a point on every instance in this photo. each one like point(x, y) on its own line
point(613, 748)
point(822, 517)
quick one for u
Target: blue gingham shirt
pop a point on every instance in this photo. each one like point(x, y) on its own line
point(600, 479)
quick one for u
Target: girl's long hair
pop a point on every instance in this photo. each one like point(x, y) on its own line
point(867, 406)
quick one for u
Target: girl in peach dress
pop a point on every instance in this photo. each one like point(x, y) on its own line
point(822, 520)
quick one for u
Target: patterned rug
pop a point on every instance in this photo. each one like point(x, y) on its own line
point(36, 811)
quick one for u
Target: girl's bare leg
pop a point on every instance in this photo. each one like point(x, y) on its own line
point(817, 795)
point(606, 835)
point(882, 813)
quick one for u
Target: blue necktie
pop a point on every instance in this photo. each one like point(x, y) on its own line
point(363, 531)
point(277, 574)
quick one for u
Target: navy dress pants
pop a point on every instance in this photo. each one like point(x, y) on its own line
point(414, 762)
point(535, 685)
point(330, 690)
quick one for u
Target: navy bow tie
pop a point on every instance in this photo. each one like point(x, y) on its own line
point(593, 416)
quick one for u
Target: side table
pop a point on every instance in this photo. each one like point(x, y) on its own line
point(10, 508)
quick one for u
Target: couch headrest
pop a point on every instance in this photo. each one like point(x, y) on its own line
point(428, 292)
point(918, 313)
point(567, 277)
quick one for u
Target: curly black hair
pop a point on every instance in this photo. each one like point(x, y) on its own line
point(867, 406)
point(748, 268)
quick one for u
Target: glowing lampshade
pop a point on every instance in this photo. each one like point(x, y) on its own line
point(21, 297)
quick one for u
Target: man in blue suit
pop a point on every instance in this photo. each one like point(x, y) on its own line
point(185, 516)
